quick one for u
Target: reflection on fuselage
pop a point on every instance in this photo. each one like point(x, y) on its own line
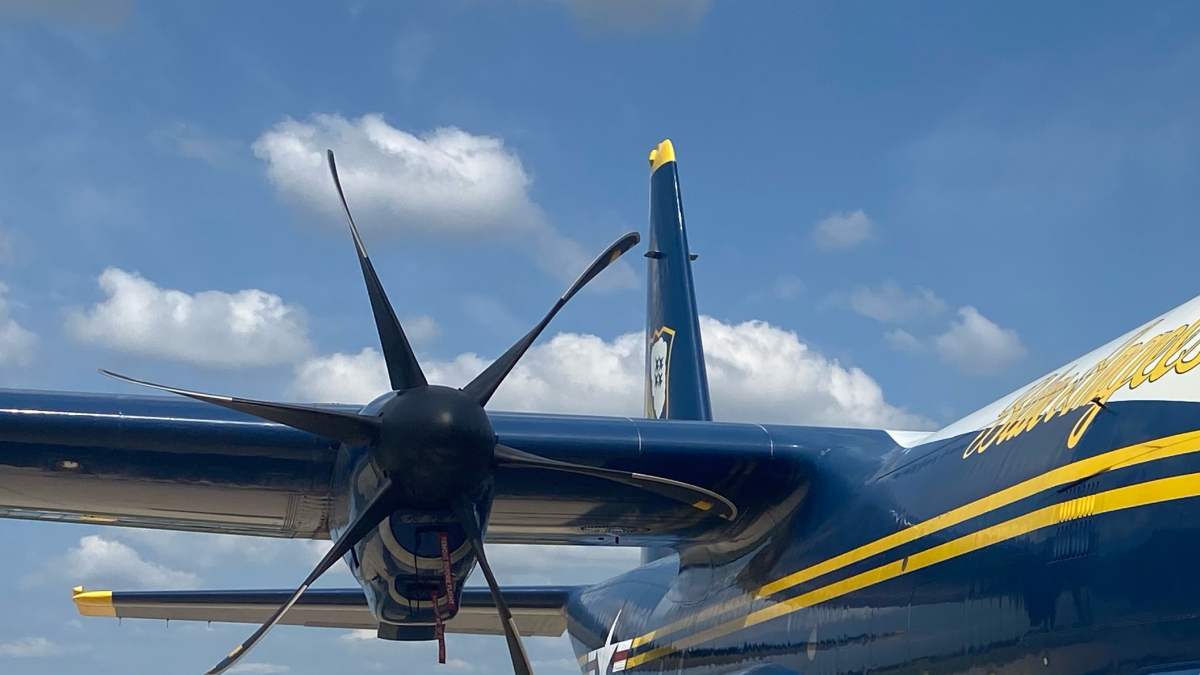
point(922, 562)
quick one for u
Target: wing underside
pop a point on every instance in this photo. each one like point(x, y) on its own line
point(174, 464)
point(538, 611)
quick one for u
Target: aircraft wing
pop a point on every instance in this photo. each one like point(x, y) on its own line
point(173, 463)
point(538, 610)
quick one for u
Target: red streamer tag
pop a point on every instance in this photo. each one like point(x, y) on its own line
point(438, 629)
point(447, 576)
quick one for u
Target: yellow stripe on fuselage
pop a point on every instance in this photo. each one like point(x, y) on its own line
point(1160, 448)
point(1142, 494)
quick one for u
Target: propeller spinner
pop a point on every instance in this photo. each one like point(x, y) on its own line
point(434, 444)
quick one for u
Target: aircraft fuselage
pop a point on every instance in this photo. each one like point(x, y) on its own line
point(1028, 557)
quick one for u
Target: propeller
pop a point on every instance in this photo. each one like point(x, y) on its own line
point(434, 445)
point(376, 512)
point(466, 515)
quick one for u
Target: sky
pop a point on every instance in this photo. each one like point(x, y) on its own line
point(900, 216)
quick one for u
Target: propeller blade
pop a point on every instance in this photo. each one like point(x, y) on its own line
point(692, 495)
point(516, 649)
point(348, 428)
point(486, 383)
point(403, 369)
point(382, 506)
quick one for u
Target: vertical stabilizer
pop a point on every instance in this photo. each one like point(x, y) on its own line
point(676, 381)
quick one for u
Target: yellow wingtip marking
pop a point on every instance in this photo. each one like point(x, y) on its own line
point(665, 152)
point(93, 603)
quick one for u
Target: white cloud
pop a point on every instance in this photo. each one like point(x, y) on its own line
point(639, 16)
point(903, 341)
point(844, 230)
point(206, 551)
point(30, 647)
point(187, 140)
point(259, 668)
point(209, 550)
point(341, 378)
point(210, 328)
point(977, 346)
point(111, 563)
point(446, 183)
point(362, 635)
point(421, 328)
point(892, 304)
point(16, 343)
point(757, 373)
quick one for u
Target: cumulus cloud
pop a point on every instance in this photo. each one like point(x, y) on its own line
point(360, 635)
point(977, 346)
point(844, 230)
point(639, 16)
point(30, 647)
point(188, 140)
point(210, 328)
point(16, 343)
point(903, 341)
point(204, 551)
point(421, 328)
point(446, 183)
point(109, 562)
point(890, 303)
point(210, 550)
point(757, 373)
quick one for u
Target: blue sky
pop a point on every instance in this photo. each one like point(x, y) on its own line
point(927, 210)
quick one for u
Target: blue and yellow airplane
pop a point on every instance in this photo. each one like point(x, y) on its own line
point(1056, 531)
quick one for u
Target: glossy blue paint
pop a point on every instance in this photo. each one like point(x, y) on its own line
point(675, 369)
point(176, 464)
point(1112, 593)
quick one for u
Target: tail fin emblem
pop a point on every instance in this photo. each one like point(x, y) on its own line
point(660, 370)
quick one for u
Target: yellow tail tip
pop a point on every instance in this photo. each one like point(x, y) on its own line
point(93, 603)
point(665, 152)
